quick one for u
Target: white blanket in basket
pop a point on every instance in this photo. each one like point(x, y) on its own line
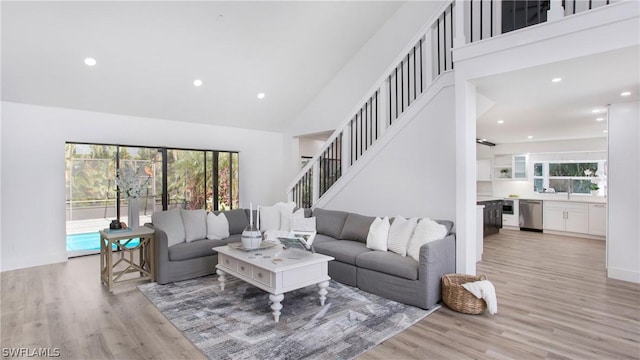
point(485, 290)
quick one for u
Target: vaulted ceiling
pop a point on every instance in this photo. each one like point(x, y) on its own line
point(148, 55)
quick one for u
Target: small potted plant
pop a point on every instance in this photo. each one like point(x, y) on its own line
point(504, 172)
point(594, 188)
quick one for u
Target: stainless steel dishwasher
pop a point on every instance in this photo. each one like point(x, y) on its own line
point(531, 215)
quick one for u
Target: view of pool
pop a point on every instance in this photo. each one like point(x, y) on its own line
point(90, 241)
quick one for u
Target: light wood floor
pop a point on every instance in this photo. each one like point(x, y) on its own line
point(554, 301)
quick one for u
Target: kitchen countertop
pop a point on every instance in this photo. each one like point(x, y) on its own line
point(549, 197)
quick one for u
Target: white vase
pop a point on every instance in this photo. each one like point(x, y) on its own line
point(134, 213)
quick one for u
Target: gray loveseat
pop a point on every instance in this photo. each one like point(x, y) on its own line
point(343, 236)
point(188, 260)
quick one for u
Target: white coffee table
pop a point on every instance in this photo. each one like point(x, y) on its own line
point(295, 270)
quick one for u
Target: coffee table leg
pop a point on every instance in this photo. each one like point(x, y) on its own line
point(221, 278)
point(275, 305)
point(323, 291)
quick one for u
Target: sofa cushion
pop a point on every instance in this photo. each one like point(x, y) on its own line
point(321, 238)
point(378, 234)
point(192, 250)
point(195, 224)
point(426, 231)
point(356, 227)
point(330, 222)
point(389, 263)
point(217, 226)
point(170, 222)
point(400, 233)
point(238, 220)
point(344, 251)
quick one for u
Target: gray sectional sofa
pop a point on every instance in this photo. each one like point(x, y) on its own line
point(341, 235)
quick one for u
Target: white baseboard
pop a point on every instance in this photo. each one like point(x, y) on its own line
point(624, 274)
point(27, 262)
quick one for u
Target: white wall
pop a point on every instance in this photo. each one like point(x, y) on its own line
point(623, 245)
point(33, 168)
point(412, 175)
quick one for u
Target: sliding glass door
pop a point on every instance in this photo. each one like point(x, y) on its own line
point(170, 178)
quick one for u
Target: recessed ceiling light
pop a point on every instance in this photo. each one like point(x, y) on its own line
point(500, 121)
point(261, 96)
point(530, 137)
point(600, 119)
point(595, 111)
point(90, 61)
point(555, 80)
point(197, 82)
point(625, 93)
point(605, 131)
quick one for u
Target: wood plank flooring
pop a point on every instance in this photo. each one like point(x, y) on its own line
point(554, 301)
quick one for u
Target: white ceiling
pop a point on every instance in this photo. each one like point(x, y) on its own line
point(149, 53)
point(531, 105)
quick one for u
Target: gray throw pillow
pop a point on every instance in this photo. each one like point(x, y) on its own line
point(195, 224)
point(170, 222)
point(330, 222)
point(356, 227)
point(238, 220)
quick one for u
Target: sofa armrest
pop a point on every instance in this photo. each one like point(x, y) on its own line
point(437, 258)
point(161, 252)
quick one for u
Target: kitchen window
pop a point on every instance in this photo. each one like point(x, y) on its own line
point(568, 176)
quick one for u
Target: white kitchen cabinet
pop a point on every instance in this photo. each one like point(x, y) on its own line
point(598, 219)
point(520, 167)
point(483, 170)
point(565, 216)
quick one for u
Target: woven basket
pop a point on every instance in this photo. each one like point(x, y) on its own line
point(460, 299)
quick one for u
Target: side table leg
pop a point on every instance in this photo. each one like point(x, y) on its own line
point(323, 291)
point(276, 306)
point(221, 278)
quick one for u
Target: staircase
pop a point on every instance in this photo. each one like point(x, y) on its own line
point(401, 88)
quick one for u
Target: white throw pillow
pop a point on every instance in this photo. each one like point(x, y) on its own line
point(217, 226)
point(378, 234)
point(304, 224)
point(400, 233)
point(287, 219)
point(426, 231)
point(170, 222)
point(269, 218)
point(195, 224)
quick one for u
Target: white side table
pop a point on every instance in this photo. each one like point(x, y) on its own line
point(138, 258)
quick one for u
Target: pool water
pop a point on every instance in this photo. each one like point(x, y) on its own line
point(90, 241)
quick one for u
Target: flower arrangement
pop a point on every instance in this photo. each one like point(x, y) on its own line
point(128, 182)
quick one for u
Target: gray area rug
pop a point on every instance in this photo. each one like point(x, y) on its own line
point(237, 323)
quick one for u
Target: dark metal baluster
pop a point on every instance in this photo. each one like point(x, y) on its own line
point(526, 13)
point(470, 20)
point(491, 17)
point(396, 114)
point(444, 38)
point(451, 22)
point(438, 47)
point(421, 68)
point(574, 7)
point(366, 127)
point(415, 73)
point(481, 28)
point(377, 125)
